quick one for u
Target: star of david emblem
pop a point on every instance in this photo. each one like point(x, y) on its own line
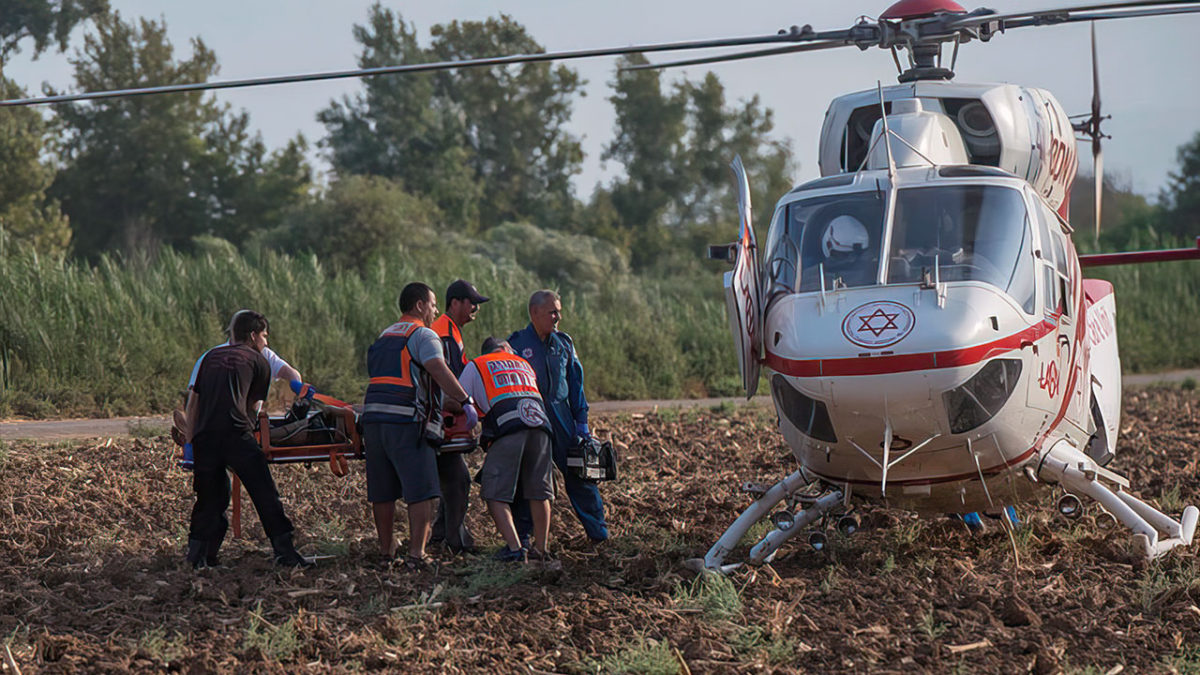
point(878, 324)
point(887, 320)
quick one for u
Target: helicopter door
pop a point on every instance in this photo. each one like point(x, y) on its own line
point(742, 298)
point(1054, 358)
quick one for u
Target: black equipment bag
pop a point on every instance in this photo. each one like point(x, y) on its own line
point(592, 460)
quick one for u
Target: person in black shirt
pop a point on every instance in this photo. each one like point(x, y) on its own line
point(229, 390)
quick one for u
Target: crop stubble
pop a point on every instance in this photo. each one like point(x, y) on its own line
point(91, 539)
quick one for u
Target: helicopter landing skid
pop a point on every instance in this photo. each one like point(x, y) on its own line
point(1078, 473)
point(787, 526)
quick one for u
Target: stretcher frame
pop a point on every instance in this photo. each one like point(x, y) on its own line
point(350, 448)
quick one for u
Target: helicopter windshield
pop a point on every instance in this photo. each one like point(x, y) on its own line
point(964, 231)
point(942, 233)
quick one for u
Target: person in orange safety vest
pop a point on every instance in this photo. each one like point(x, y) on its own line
point(462, 302)
point(516, 432)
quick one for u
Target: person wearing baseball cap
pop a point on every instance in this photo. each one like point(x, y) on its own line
point(462, 302)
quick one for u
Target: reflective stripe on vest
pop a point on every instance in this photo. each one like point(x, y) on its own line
point(511, 387)
point(391, 395)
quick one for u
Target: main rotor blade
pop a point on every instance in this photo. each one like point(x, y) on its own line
point(785, 37)
point(1098, 170)
point(1095, 81)
point(790, 49)
point(1049, 15)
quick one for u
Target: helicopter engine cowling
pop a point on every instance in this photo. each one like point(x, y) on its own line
point(927, 138)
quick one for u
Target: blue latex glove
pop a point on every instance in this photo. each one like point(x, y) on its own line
point(188, 459)
point(581, 429)
point(297, 386)
point(472, 415)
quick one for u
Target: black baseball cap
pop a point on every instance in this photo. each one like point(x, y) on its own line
point(464, 290)
point(490, 345)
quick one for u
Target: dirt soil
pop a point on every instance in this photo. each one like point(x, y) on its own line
point(91, 575)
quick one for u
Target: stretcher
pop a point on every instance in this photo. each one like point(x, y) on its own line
point(336, 438)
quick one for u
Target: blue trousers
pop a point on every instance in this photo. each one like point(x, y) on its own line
point(585, 501)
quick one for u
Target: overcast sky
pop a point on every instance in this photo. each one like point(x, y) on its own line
point(1148, 66)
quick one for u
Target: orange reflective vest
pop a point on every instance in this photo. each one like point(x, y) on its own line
point(512, 392)
point(392, 392)
point(452, 343)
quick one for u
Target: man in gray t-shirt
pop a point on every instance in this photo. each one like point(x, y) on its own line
point(410, 385)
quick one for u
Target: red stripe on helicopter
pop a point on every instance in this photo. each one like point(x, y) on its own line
point(903, 363)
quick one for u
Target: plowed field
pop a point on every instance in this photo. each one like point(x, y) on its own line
point(91, 575)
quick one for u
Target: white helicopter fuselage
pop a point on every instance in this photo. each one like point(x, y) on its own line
point(933, 382)
point(890, 364)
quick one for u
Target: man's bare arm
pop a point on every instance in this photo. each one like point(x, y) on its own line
point(288, 374)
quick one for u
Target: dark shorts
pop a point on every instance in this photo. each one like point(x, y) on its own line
point(400, 463)
point(519, 458)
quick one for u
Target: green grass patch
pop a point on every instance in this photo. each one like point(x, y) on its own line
point(1186, 661)
point(489, 575)
point(163, 647)
point(146, 429)
point(930, 627)
point(646, 657)
point(715, 594)
point(756, 641)
point(756, 532)
point(276, 642)
point(330, 537)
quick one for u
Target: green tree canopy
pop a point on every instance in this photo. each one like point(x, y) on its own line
point(487, 145)
point(25, 211)
point(43, 21)
point(356, 219)
point(1181, 198)
point(676, 144)
point(143, 171)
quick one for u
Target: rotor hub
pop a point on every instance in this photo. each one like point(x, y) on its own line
point(916, 9)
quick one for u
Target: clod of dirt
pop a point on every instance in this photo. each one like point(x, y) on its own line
point(1016, 612)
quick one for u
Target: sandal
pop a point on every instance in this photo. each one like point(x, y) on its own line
point(414, 564)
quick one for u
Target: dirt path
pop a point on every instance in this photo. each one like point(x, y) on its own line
point(61, 430)
point(64, 430)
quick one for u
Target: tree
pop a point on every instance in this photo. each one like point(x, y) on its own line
point(356, 219)
point(514, 119)
point(676, 148)
point(398, 128)
point(487, 145)
point(45, 21)
point(143, 171)
point(25, 211)
point(1181, 198)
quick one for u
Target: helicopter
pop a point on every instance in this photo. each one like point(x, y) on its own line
point(919, 311)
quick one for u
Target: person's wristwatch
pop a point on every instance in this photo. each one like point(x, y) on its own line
point(467, 401)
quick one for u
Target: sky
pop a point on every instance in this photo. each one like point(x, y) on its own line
point(1148, 66)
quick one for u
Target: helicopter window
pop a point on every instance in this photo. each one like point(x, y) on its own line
point(1057, 292)
point(839, 234)
point(962, 232)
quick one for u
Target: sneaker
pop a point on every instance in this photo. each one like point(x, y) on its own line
point(507, 554)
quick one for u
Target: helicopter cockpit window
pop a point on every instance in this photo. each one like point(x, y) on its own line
point(959, 233)
point(837, 234)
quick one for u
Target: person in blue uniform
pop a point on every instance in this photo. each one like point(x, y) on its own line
point(551, 352)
